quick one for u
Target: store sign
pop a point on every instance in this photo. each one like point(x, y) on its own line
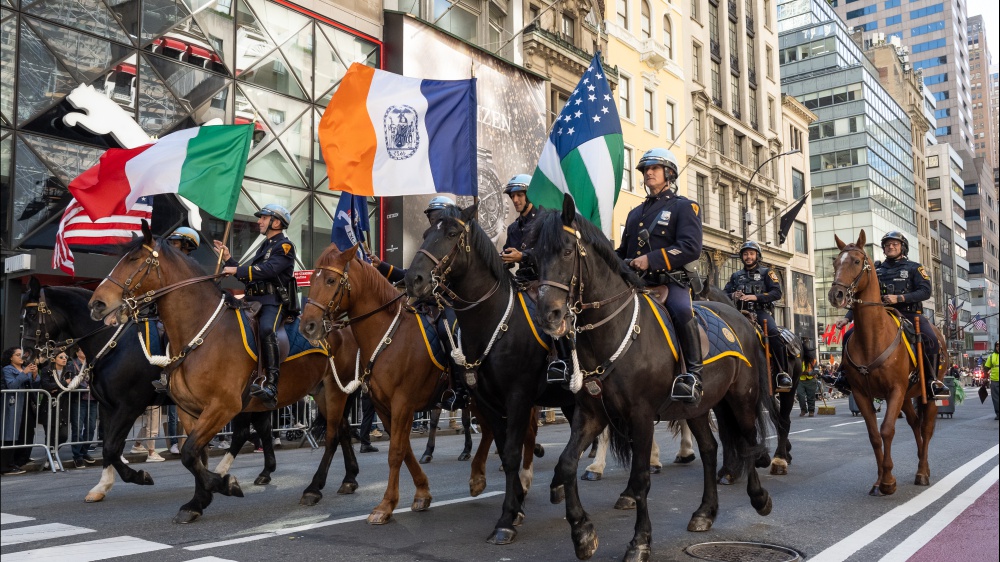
point(302, 277)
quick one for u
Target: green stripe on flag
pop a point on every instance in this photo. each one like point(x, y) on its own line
point(543, 192)
point(213, 168)
point(616, 148)
point(581, 187)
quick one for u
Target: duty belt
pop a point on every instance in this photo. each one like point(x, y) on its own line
point(260, 289)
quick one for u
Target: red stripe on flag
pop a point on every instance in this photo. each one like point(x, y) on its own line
point(103, 188)
point(76, 228)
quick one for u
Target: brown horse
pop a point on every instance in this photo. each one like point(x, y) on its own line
point(879, 367)
point(208, 382)
point(396, 366)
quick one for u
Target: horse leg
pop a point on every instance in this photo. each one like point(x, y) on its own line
point(703, 518)
point(422, 496)
point(350, 482)
point(262, 423)
point(527, 474)
point(511, 445)
point(928, 420)
point(913, 420)
point(428, 455)
point(595, 471)
point(867, 410)
point(782, 452)
point(584, 429)
point(655, 466)
point(399, 440)
point(115, 433)
point(641, 434)
point(206, 482)
point(337, 433)
point(477, 475)
point(685, 454)
point(467, 428)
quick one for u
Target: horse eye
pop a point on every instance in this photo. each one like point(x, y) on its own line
point(567, 252)
point(329, 280)
point(452, 234)
point(856, 262)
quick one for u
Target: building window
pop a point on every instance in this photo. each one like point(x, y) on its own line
point(645, 20)
point(696, 62)
point(932, 161)
point(893, 20)
point(716, 84)
point(853, 14)
point(751, 54)
point(798, 184)
point(650, 116)
point(625, 96)
point(724, 206)
point(734, 47)
point(696, 10)
point(801, 241)
point(718, 134)
point(770, 112)
point(933, 183)
point(622, 13)
point(734, 94)
point(568, 28)
point(671, 115)
point(533, 13)
point(769, 54)
point(668, 37)
point(934, 205)
point(497, 18)
point(767, 13)
point(456, 19)
point(738, 148)
point(698, 134)
point(627, 173)
point(701, 183)
point(713, 23)
point(752, 108)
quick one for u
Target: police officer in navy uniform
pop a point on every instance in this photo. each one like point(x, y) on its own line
point(905, 285)
point(184, 239)
point(267, 277)
point(755, 289)
point(433, 213)
point(515, 251)
point(673, 225)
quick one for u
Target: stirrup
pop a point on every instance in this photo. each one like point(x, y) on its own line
point(162, 384)
point(557, 372)
point(690, 394)
point(940, 390)
point(782, 382)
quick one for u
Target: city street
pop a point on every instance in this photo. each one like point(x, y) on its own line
point(821, 508)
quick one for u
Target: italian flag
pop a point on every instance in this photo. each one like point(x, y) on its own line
point(204, 165)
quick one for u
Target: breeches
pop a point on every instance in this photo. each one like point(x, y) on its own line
point(269, 316)
point(679, 304)
point(772, 326)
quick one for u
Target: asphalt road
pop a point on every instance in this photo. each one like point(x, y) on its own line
point(821, 508)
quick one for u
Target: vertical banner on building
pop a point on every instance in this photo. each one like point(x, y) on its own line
point(511, 124)
point(804, 306)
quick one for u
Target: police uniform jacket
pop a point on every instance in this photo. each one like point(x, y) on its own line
point(758, 280)
point(271, 267)
point(517, 231)
point(392, 273)
point(905, 278)
point(674, 226)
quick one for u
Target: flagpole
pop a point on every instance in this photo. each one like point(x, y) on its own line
point(225, 239)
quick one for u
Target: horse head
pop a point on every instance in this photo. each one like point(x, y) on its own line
point(445, 251)
point(35, 329)
point(134, 278)
point(849, 272)
point(557, 255)
point(329, 291)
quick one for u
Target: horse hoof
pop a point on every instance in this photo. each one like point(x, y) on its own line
point(184, 517)
point(262, 481)
point(421, 504)
point(310, 499)
point(625, 503)
point(779, 467)
point(476, 485)
point(763, 461)
point(637, 554)
point(519, 519)
point(426, 459)
point(727, 480)
point(143, 478)
point(94, 497)
point(591, 476)
point(557, 494)
point(654, 469)
point(766, 509)
point(921, 480)
point(539, 450)
point(699, 524)
point(874, 491)
point(379, 518)
point(684, 460)
point(501, 536)
point(887, 489)
point(585, 541)
point(347, 488)
point(464, 456)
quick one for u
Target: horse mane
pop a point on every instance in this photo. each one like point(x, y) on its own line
point(385, 291)
point(549, 232)
point(481, 245)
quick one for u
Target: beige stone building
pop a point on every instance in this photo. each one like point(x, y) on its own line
point(984, 124)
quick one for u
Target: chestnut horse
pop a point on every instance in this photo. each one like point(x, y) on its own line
point(880, 367)
point(397, 369)
point(209, 383)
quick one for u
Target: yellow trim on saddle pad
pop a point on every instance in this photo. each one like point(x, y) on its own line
point(738, 354)
point(906, 342)
point(427, 343)
point(659, 320)
point(246, 342)
point(321, 349)
point(531, 323)
point(243, 334)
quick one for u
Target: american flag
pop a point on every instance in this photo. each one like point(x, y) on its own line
point(952, 310)
point(77, 228)
point(979, 324)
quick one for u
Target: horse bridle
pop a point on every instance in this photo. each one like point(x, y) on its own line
point(441, 269)
point(850, 300)
point(42, 340)
point(332, 309)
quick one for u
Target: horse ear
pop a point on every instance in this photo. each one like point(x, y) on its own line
point(568, 210)
point(469, 213)
point(861, 239)
point(34, 287)
point(147, 233)
point(351, 252)
point(840, 243)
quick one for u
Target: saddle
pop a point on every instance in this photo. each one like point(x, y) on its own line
point(659, 294)
point(253, 311)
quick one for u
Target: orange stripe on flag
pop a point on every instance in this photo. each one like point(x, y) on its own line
point(347, 135)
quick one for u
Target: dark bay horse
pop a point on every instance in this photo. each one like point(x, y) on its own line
point(209, 382)
point(629, 370)
point(877, 366)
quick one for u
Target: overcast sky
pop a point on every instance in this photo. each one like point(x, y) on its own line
point(991, 15)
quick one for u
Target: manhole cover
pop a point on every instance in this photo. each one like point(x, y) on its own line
point(742, 552)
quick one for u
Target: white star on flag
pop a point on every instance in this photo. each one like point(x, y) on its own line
point(592, 97)
point(591, 87)
point(571, 130)
point(578, 101)
point(578, 114)
point(597, 118)
point(604, 110)
point(607, 97)
point(586, 80)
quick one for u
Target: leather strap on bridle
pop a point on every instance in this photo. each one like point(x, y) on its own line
point(441, 269)
point(850, 289)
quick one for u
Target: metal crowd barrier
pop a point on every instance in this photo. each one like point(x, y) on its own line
point(23, 411)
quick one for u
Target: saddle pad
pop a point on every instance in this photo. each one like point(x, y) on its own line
point(298, 345)
point(432, 342)
point(529, 308)
point(152, 334)
point(722, 339)
point(906, 338)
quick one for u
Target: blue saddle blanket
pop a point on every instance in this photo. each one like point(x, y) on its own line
point(298, 345)
point(436, 348)
point(722, 339)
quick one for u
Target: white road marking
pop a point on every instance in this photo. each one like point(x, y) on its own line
point(790, 433)
point(936, 524)
point(848, 423)
point(210, 559)
point(9, 519)
point(864, 536)
point(87, 551)
point(43, 532)
point(311, 526)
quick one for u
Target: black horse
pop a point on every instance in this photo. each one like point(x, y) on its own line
point(121, 382)
point(434, 419)
point(505, 357)
point(631, 366)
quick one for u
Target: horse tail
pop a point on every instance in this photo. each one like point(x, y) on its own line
point(739, 451)
point(620, 444)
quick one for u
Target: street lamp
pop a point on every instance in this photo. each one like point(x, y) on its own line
point(746, 209)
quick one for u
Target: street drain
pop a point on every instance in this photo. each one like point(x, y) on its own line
point(742, 552)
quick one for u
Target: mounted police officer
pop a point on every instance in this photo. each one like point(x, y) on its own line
point(433, 212)
point(662, 236)
point(184, 239)
point(515, 251)
point(267, 277)
point(754, 290)
point(905, 285)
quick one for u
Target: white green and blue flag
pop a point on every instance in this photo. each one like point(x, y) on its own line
point(584, 154)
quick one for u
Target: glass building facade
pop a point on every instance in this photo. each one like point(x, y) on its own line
point(171, 64)
point(861, 157)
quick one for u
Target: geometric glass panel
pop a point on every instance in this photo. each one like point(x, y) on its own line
point(273, 164)
point(37, 193)
point(8, 62)
point(330, 68)
point(246, 113)
point(347, 49)
point(277, 111)
point(219, 107)
point(86, 56)
point(42, 80)
point(66, 159)
point(128, 14)
point(158, 109)
point(190, 85)
point(217, 28)
point(9, 3)
point(298, 142)
point(158, 16)
point(86, 15)
point(318, 164)
point(282, 23)
point(323, 209)
point(272, 71)
point(298, 52)
point(186, 42)
point(251, 41)
point(261, 194)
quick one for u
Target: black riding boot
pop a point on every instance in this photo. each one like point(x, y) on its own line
point(840, 382)
point(558, 369)
point(456, 397)
point(782, 380)
point(268, 393)
point(935, 388)
point(162, 385)
point(687, 386)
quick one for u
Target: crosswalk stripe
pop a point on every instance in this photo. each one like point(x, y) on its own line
point(9, 519)
point(87, 551)
point(210, 559)
point(43, 532)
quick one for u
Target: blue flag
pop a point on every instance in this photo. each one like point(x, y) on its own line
point(350, 224)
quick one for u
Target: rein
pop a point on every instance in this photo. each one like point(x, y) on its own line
point(331, 309)
point(441, 269)
point(575, 287)
point(851, 289)
point(52, 348)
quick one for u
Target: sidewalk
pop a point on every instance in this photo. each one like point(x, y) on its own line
point(971, 537)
